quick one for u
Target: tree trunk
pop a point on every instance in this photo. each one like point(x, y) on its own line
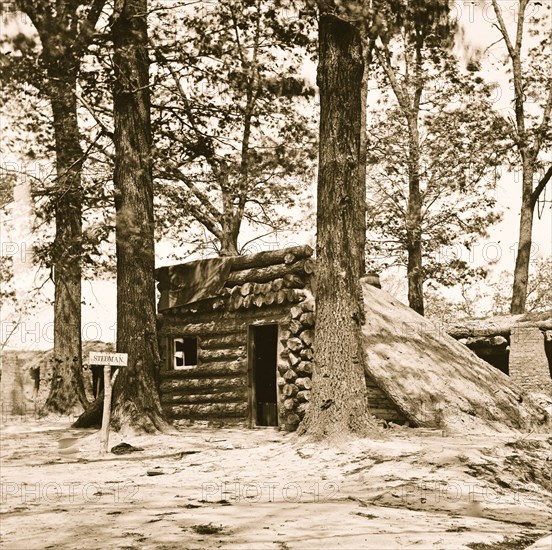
point(523, 257)
point(339, 401)
point(360, 208)
point(414, 222)
point(229, 241)
point(67, 390)
point(136, 398)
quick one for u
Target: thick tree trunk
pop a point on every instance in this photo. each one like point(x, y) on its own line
point(229, 240)
point(67, 390)
point(523, 257)
point(136, 398)
point(339, 403)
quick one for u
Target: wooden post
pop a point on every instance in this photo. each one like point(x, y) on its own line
point(107, 359)
point(106, 417)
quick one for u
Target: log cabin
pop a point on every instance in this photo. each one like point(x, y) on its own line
point(236, 338)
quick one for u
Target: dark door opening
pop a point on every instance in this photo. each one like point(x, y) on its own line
point(263, 349)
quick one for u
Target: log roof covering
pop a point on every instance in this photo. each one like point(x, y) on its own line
point(266, 278)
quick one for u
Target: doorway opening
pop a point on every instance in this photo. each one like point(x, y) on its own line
point(263, 348)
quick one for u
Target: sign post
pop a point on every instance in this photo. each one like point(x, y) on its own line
point(108, 360)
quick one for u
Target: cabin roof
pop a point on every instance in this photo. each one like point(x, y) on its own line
point(196, 281)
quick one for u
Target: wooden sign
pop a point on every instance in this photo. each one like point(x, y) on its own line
point(108, 358)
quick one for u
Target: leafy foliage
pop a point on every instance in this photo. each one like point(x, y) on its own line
point(434, 143)
point(234, 133)
point(460, 152)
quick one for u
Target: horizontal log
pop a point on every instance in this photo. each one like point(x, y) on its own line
point(307, 336)
point(289, 390)
point(295, 295)
point(200, 385)
point(277, 284)
point(222, 322)
point(292, 280)
point(305, 367)
point(235, 302)
point(290, 376)
point(226, 354)
point(498, 326)
point(304, 395)
point(295, 327)
point(246, 289)
point(209, 370)
point(290, 403)
point(271, 257)
point(203, 306)
point(293, 359)
point(307, 318)
point(267, 274)
point(294, 344)
point(283, 368)
point(296, 312)
point(304, 383)
point(189, 399)
point(217, 341)
point(205, 410)
point(310, 266)
point(484, 341)
point(281, 296)
point(291, 420)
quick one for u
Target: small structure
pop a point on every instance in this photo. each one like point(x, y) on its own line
point(518, 345)
point(236, 339)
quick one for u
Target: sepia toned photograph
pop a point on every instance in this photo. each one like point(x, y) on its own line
point(276, 274)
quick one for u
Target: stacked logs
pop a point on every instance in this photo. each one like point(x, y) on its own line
point(251, 295)
point(269, 278)
point(295, 369)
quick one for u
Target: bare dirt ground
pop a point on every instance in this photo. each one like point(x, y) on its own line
point(203, 488)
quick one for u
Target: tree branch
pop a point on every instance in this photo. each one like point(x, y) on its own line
point(540, 186)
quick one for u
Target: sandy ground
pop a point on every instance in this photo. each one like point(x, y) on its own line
point(202, 488)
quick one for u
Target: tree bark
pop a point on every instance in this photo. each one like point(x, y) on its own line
point(67, 390)
point(339, 402)
point(136, 398)
point(414, 222)
point(523, 256)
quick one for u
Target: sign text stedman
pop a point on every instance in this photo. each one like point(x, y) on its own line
point(106, 358)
